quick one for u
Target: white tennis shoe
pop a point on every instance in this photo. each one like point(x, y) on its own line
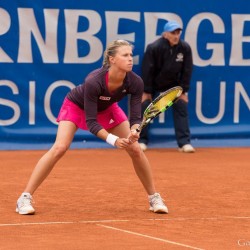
point(156, 204)
point(24, 204)
point(143, 146)
point(188, 148)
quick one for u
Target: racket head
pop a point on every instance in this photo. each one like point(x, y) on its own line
point(165, 99)
point(160, 104)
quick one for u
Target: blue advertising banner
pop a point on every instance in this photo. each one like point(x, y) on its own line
point(48, 47)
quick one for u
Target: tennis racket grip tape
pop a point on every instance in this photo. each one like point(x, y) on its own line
point(138, 130)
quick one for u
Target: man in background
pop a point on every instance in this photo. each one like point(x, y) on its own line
point(168, 63)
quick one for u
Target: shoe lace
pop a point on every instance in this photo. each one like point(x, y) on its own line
point(26, 201)
point(157, 201)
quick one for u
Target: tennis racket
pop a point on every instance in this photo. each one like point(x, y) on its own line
point(159, 105)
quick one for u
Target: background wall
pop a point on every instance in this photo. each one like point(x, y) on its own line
point(48, 47)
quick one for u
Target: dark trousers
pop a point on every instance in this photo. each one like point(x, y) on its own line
point(181, 123)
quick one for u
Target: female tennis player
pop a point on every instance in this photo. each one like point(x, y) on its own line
point(94, 106)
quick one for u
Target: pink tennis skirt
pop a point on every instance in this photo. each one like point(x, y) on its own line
point(109, 118)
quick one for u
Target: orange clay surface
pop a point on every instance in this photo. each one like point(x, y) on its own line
point(93, 200)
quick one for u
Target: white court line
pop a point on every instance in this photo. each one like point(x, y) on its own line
point(36, 223)
point(150, 237)
point(61, 222)
point(202, 218)
point(113, 221)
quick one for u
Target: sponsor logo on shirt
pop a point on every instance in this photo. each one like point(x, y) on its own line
point(105, 98)
point(179, 57)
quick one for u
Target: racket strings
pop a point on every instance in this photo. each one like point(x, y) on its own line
point(166, 100)
point(159, 105)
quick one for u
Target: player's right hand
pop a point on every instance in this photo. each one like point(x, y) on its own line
point(122, 143)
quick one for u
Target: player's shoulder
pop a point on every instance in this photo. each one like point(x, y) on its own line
point(96, 74)
point(133, 76)
point(134, 82)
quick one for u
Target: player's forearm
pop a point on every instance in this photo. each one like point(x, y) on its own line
point(102, 134)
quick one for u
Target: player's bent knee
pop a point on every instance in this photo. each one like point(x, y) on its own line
point(135, 150)
point(59, 150)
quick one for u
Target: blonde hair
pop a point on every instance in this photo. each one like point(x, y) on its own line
point(111, 50)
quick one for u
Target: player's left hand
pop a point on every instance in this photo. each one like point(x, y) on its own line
point(133, 136)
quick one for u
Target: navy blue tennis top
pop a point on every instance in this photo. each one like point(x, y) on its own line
point(93, 96)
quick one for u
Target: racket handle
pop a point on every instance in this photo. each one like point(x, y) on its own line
point(138, 130)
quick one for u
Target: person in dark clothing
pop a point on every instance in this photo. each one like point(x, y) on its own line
point(93, 106)
point(168, 62)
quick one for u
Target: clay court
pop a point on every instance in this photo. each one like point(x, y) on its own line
point(93, 200)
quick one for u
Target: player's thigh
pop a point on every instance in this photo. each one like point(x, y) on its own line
point(65, 133)
point(122, 130)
